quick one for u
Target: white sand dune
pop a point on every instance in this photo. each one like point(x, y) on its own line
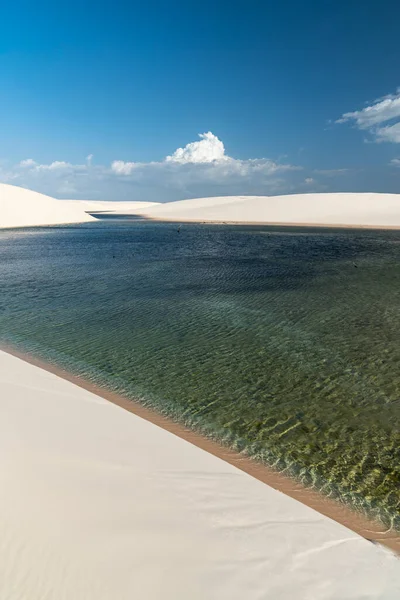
point(99, 504)
point(317, 209)
point(24, 208)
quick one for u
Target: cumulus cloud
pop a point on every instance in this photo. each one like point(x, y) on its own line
point(27, 163)
point(205, 158)
point(200, 168)
point(208, 149)
point(203, 167)
point(371, 117)
point(395, 162)
point(119, 167)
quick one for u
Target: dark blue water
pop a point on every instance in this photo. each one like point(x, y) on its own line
point(283, 343)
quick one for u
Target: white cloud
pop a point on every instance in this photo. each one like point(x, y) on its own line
point(371, 117)
point(54, 166)
point(201, 168)
point(381, 110)
point(207, 150)
point(395, 162)
point(119, 167)
point(309, 180)
point(27, 163)
point(389, 134)
point(205, 158)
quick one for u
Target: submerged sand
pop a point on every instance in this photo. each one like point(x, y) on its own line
point(99, 503)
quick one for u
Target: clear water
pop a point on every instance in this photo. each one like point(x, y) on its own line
point(280, 342)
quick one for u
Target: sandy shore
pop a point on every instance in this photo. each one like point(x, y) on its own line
point(97, 502)
point(273, 224)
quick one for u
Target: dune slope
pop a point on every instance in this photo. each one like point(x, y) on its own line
point(24, 208)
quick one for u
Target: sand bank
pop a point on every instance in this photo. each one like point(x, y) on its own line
point(96, 502)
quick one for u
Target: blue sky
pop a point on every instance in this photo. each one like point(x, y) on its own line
point(127, 84)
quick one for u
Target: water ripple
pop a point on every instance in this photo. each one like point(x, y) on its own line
point(267, 339)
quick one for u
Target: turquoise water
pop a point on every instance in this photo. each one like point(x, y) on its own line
point(280, 342)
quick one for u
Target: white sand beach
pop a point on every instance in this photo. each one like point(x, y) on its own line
point(97, 503)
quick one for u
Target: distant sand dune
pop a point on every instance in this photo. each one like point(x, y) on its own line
point(353, 209)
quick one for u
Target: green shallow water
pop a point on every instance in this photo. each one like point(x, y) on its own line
point(280, 342)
